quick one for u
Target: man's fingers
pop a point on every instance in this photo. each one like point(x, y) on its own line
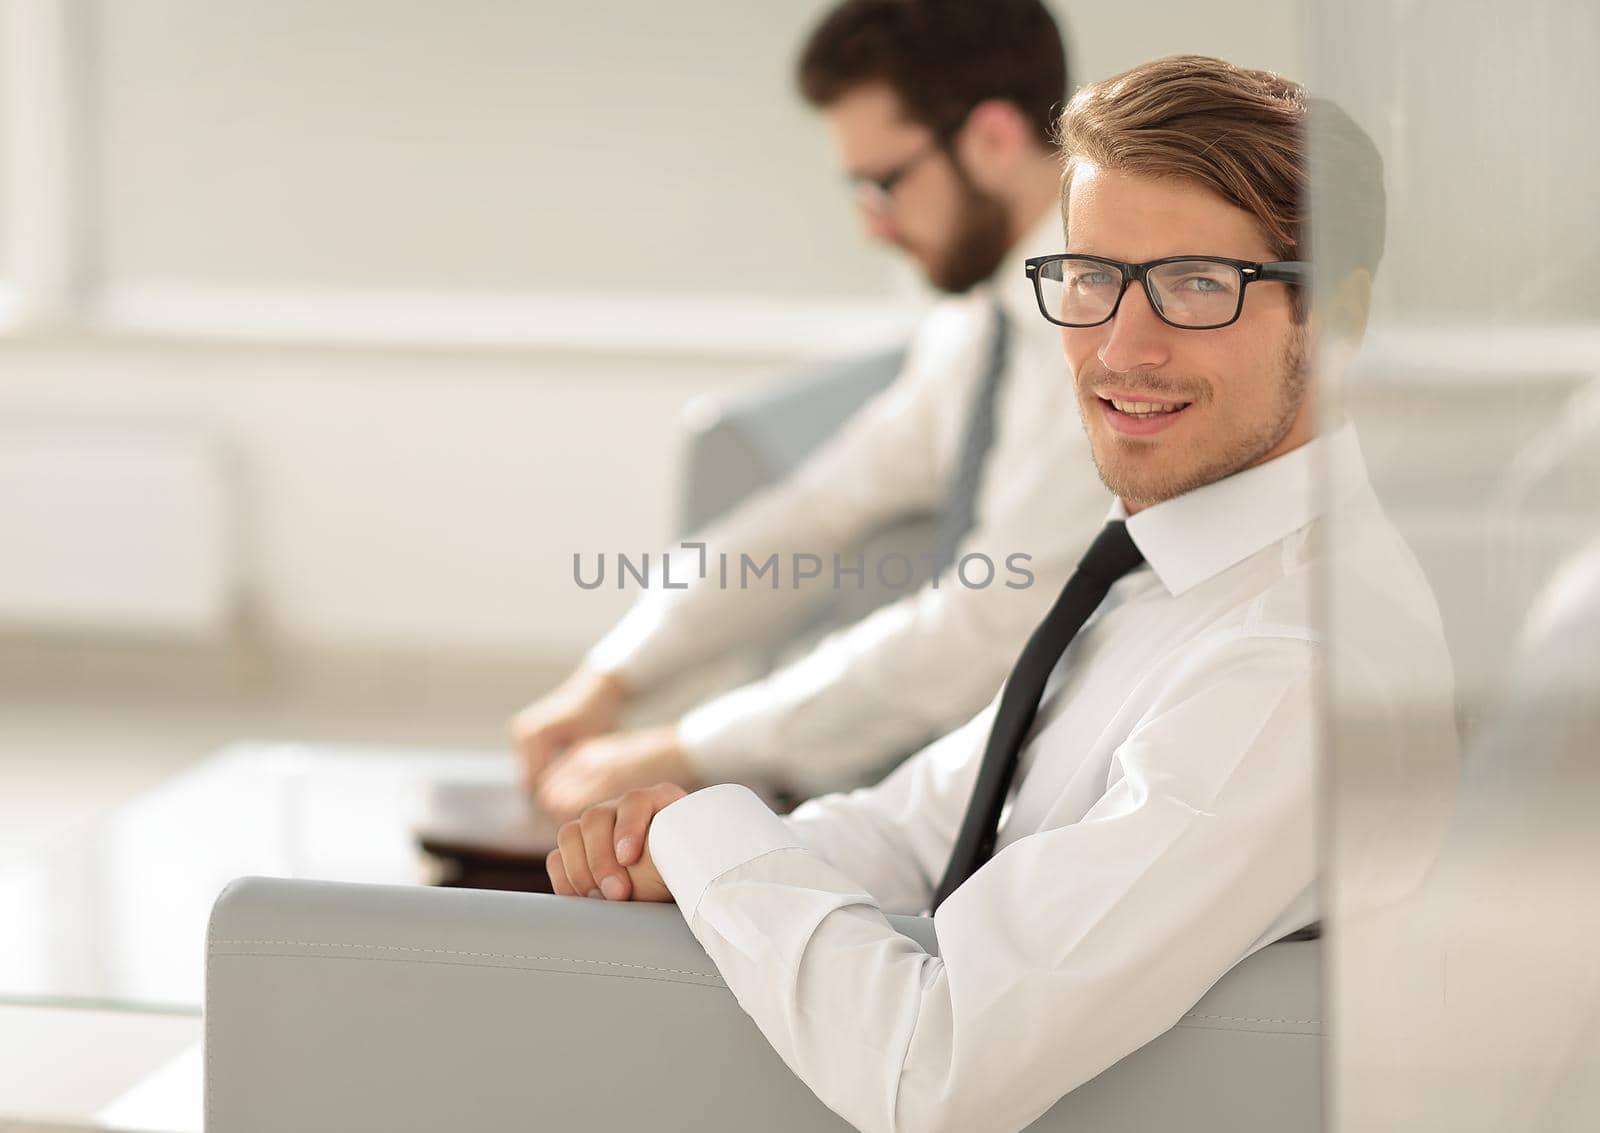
point(559, 790)
point(635, 811)
point(533, 760)
point(544, 782)
point(569, 842)
point(559, 883)
point(599, 825)
point(534, 746)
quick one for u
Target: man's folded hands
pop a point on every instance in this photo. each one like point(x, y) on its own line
point(605, 853)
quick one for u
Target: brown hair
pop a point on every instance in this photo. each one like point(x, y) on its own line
point(942, 57)
point(1240, 133)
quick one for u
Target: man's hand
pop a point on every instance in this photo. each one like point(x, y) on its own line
point(606, 852)
point(585, 704)
point(604, 768)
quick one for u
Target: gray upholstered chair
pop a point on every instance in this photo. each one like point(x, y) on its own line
point(746, 442)
point(357, 1007)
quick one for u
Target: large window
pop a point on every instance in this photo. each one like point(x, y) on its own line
point(1463, 894)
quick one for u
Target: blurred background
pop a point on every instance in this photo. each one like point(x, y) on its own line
point(1464, 901)
point(330, 331)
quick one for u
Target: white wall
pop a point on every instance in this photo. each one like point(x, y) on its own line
point(355, 242)
point(1107, 38)
point(481, 144)
point(5, 115)
point(399, 501)
point(487, 145)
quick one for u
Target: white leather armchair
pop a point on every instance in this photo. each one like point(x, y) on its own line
point(353, 1007)
point(356, 1007)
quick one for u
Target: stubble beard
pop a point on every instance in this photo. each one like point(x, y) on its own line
point(1144, 489)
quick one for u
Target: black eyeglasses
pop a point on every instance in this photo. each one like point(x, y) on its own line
point(1188, 292)
point(876, 194)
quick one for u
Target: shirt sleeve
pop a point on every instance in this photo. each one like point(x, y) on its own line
point(894, 838)
point(886, 460)
point(1071, 948)
point(913, 669)
point(920, 666)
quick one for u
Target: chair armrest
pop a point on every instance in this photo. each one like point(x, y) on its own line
point(354, 1007)
point(341, 1007)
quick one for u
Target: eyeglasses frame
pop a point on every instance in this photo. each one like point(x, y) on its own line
point(882, 188)
point(1250, 271)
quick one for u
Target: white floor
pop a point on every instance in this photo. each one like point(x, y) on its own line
point(101, 1070)
point(73, 746)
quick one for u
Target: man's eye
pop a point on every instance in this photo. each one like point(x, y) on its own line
point(1088, 279)
point(1204, 284)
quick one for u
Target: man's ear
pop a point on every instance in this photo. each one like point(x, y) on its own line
point(1339, 321)
point(1344, 312)
point(992, 141)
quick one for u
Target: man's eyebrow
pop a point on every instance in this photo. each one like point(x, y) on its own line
point(868, 173)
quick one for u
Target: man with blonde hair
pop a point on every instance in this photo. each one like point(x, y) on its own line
point(1135, 812)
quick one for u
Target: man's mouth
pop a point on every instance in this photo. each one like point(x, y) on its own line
point(1138, 415)
point(1145, 408)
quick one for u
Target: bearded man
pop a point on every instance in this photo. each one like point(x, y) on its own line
point(941, 112)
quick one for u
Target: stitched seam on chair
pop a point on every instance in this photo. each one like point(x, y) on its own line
point(1259, 1031)
point(718, 985)
point(455, 952)
point(1247, 1019)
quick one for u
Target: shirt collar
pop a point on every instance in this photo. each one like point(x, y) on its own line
point(1198, 535)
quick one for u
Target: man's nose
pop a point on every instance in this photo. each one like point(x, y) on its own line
point(1136, 338)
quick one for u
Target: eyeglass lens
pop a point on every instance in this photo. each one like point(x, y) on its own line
point(876, 194)
point(1190, 293)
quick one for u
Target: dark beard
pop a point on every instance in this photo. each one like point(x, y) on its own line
point(981, 240)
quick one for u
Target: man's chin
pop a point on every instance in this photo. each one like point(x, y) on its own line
point(942, 279)
point(953, 273)
point(1134, 472)
point(932, 269)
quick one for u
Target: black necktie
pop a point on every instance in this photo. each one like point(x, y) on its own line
point(1109, 557)
point(962, 506)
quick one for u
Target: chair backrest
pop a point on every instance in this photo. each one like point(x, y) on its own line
point(335, 1006)
point(738, 447)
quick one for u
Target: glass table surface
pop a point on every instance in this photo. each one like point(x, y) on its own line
point(114, 915)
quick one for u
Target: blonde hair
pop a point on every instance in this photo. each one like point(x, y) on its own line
point(1238, 132)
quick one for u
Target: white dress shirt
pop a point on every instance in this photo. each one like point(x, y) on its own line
point(1164, 826)
point(882, 686)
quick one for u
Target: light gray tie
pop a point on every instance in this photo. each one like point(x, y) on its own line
point(961, 508)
